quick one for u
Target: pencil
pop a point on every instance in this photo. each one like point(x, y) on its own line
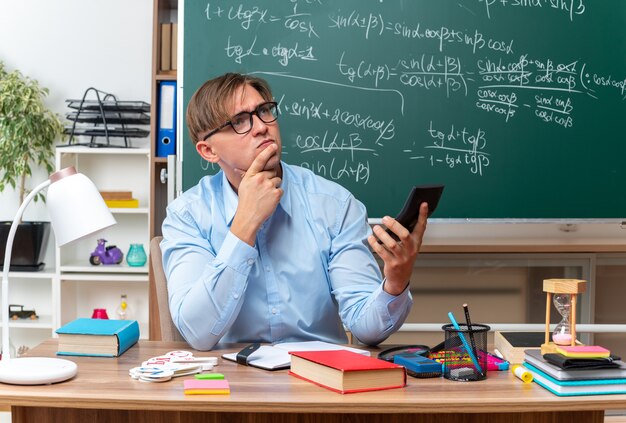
point(469, 328)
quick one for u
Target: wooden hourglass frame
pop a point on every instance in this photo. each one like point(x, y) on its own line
point(571, 287)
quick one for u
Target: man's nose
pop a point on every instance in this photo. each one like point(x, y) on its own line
point(258, 126)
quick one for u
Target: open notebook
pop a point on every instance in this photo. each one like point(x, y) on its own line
point(275, 357)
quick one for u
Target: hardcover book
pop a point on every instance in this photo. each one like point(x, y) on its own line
point(346, 372)
point(577, 387)
point(97, 337)
point(535, 358)
point(116, 195)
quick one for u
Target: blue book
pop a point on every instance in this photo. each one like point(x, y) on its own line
point(577, 387)
point(97, 337)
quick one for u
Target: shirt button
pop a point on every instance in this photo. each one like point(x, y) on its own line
point(235, 296)
point(267, 269)
point(250, 262)
point(274, 311)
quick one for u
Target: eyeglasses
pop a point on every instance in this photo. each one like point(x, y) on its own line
point(242, 122)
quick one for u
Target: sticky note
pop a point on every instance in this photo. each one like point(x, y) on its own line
point(209, 376)
point(206, 387)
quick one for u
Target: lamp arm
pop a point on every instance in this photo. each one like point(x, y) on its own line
point(7, 264)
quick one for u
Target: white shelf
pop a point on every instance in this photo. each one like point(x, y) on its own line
point(44, 322)
point(104, 277)
point(102, 268)
point(45, 273)
point(81, 149)
point(91, 277)
point(130, 210)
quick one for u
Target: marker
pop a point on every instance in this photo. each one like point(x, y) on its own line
point(465, 344)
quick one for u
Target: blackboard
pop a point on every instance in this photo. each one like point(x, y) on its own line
point(517, 106)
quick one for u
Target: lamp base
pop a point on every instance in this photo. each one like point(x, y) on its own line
point(36, 370)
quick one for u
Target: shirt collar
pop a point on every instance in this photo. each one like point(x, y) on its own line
point(231, 199)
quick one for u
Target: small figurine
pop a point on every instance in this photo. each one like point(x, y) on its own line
point(15, 314)
point(106, 255)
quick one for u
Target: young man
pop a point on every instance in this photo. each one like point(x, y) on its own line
point(268, 252)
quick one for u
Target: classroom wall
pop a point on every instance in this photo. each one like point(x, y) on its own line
point(71, 45)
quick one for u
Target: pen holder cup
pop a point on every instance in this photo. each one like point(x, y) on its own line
point(465, 357)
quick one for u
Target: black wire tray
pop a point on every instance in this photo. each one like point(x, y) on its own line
point(111, 132)
point(109, 105)
point(92, 116)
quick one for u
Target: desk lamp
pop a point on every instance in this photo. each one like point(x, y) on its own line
point(76, 209)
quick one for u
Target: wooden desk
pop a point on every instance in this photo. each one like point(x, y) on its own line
point(103, 392)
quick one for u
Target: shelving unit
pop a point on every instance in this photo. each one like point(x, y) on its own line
point(82, 286)
point(164, 11)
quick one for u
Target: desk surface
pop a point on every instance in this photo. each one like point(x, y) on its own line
point(104, 383)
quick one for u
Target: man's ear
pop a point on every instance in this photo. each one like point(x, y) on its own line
point(206, 152)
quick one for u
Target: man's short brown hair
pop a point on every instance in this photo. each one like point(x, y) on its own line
point(207, 108)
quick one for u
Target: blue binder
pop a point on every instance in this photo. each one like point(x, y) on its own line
point(166, 135)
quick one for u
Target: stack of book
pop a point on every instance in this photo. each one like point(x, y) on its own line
point(572, 376)
point(169, 47)
point(119, 199)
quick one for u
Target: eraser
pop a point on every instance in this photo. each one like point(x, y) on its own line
point(461, 372)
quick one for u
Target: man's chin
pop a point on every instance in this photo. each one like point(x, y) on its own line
point(273, 163)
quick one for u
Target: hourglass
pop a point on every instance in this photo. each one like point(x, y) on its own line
point(562, 334)
point(565, 292)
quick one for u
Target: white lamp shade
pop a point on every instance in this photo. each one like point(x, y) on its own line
point(76, 207)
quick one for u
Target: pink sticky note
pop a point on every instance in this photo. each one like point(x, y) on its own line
point(211, 386)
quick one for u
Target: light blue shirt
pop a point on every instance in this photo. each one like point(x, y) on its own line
point(310, 273)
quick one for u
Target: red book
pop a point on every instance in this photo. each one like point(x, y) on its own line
point(345, 371)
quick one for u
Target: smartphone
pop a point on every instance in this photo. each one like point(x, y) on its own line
point(410, 212)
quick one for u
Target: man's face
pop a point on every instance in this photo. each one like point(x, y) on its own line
point(231, 150)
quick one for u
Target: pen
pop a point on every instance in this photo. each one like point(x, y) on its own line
point(469, 328)
point(467, 347)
